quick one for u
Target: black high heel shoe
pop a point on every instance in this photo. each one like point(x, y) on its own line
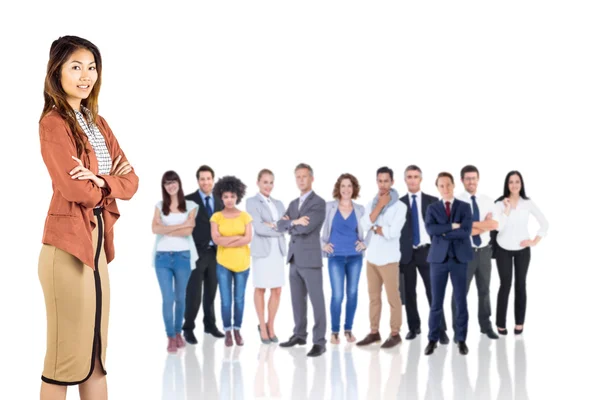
point(504, 331)
point(518, 331)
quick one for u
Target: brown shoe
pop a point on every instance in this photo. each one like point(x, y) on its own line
point(228, 339)
point(238, 338)
point(370, 339)
point(392, 341)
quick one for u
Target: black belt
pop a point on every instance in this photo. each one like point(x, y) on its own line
point(477, 249)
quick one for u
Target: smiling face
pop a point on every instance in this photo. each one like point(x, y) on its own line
point(206, 182)
point(265, 184)
point(229, 200)
point(172, 187)
point(446, 188)
point(470, 182)
point(514, 185)
point(78, 76)
point(346, 189)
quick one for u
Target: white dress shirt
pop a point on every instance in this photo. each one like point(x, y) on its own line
point(272, 207)
point(486, 206)
point(423, 235)
point(514, 227)
point(383, 250)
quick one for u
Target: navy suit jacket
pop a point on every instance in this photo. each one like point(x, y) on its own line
point(439, 227)
point(406, 237)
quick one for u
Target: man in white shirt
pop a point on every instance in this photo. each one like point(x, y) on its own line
point(480, 267)
point(383, 220)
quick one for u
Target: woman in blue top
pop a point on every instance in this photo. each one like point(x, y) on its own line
point(175, 254)
point(343, 243)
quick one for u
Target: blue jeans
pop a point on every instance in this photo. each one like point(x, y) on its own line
point(173, 271)
point(341, 267)
point(232, 286)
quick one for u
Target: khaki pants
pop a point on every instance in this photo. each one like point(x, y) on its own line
point(388, 276)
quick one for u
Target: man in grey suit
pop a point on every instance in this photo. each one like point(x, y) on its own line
point(303, 221)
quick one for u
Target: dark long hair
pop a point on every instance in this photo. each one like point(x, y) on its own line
point(54, 94)
point(166, 206)
point(506, 193)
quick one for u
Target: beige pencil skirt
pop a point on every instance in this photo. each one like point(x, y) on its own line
point(77, 307)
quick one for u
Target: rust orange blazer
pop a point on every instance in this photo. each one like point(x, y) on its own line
point(70, 218)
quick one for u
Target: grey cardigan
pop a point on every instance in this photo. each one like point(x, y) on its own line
point(330, 210)
point(260, 212)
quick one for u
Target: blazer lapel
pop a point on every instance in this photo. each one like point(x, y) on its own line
point(424, 204)
point(453, 210)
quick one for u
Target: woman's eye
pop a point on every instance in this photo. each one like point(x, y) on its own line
point(76, 67)
point(92, 68)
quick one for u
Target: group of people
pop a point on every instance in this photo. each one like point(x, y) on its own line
point(204, 242)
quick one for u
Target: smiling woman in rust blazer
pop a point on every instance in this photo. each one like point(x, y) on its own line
point(88, 172)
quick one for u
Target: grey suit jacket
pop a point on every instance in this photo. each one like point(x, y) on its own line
point(261, 238)
point(331, 210)
point(305, 242)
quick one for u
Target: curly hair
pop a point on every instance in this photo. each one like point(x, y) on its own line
point(355, 186)
point(230, 184)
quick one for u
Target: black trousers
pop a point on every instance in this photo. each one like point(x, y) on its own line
point(203, 277)
point(409, 272)
point(504, 261)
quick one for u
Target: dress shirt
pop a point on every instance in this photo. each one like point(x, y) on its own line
point(514, 227)
point(383, 250)
point(303, 198)
point(212, 205)
point(485, 205)
point(425, 239)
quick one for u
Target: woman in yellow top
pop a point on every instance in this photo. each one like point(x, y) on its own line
point(231, 230)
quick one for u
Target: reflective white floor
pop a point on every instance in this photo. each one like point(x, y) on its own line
point(347, 372)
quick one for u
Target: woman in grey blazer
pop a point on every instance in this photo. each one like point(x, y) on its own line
point(343, 242)
point(268, 253)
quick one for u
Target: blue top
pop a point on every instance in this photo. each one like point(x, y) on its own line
point(344, 234)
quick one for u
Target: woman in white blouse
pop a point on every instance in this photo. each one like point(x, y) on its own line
point(175, 254)
point(513, 247)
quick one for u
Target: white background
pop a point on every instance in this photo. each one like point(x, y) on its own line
point(345, 87)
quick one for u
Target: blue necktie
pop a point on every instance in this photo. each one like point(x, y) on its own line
point(415, 221)
point(209, 209)
point(476, 238)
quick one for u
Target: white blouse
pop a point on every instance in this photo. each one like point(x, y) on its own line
point(514, 227)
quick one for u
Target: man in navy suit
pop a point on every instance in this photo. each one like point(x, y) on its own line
point(449, 223)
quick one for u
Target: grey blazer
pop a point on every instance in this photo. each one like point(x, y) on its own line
point(331, 209)
point(305, 242)
point(261, 238)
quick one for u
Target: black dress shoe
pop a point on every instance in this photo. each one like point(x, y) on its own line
point(430, 347)
point(294, 340)
point(490, 333)
point(190, 337)
point(316, 351)
point(462, 348)
point(215, 332)
point(444, 339)
point(413, 334)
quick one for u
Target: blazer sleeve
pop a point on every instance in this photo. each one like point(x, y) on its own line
point(119, 187)
point(57, 149)
point(316, 216)
point(466, 225)
point(284, 225)
point(260, 229)
point(432, 227)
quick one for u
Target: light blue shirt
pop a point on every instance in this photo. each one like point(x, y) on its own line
point(302, 198)
point(211, 201)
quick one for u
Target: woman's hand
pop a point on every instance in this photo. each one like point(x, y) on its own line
point(528, 243)
point(328, 248)
point(120, 168)
point(360, 246)
point(82, 173)
point(270, 225)
point(507, 205)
